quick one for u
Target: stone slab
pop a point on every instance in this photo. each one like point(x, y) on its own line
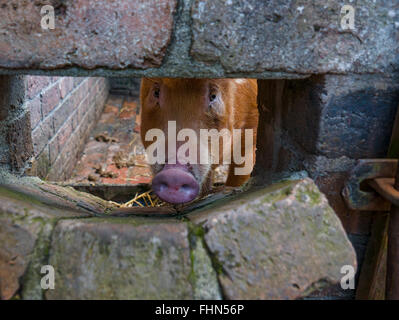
point(87, 34)
point(296, 36)
point(282, 242)
point(121, 259)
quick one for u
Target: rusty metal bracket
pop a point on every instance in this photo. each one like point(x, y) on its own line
point(371, 171)
point(385, 188)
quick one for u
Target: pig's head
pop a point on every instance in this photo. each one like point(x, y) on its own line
point(193, 104)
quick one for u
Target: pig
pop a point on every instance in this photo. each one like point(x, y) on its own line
point(197, 104)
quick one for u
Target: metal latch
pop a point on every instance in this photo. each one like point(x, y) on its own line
point(370, 185)
point(373, 185)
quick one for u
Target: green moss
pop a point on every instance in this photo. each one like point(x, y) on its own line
point(19, 196)
point(192, 278)
point(204, 266)
point(31, 289)
point(311, 192)
point(159, 253)
point(197, 230)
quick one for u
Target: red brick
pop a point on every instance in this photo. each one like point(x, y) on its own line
point(140, 172)
point(54, 150)
point(43, 163)
point(64, 134)
point(108, 118)
point(127, 114)
point(83, 90)
point(128, 110)
point(115, 101)
point(35, 84)
point(111, 109)
point(77, 81)
point(92, 81)
point(83, 103)
point(35, 109)
point(120, 179)
point(139, 179)
point(42, 134)
point(62, 113)
point(94, 159)
point(50, 99)
point(75, 122)
point(75, 100)
point(60, 152)
point(66, 86)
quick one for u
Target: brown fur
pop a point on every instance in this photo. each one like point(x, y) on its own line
point(185, 101)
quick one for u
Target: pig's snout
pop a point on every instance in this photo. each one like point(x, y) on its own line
point(175, 184)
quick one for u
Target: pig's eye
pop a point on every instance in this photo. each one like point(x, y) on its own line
point(156, 93)
point(212, 97)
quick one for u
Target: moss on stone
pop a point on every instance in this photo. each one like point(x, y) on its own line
point(19, 196)
point(203, 276)
point(31, 289)
point(308, 194)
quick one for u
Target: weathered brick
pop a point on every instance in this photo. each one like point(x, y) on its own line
point(35, 108)
point(83, 90)
point(64, 134)
point(49, 109)
point(50, 99)
point(35, 84)
point(75, 120)
point(91, 82)
point(54, 150)
point(82, 108)
point(81, 99)
point(77, 81)
point(66, 85)
point(55, 172)
point(43, 162)
point(61, 114)
point(42, 134)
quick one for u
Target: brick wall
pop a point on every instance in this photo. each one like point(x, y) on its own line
point(63, 110)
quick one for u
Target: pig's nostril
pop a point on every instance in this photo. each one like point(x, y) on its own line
point(163, 186)
point(175, 185)
point(185, 188)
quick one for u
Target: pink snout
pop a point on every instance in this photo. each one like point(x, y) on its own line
point(174, 184)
